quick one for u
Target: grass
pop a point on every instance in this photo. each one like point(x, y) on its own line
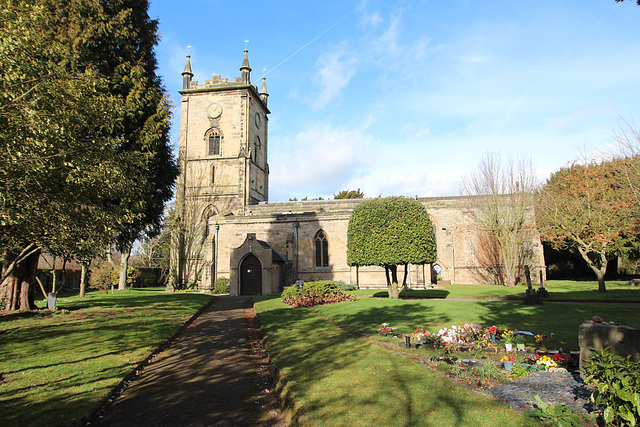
point(56, 366)
point(563, 319)
point(340, 379)
point(558, 289)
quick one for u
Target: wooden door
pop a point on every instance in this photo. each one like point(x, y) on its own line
point(251, 276)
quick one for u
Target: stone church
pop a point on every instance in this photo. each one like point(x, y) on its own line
point(231, 229)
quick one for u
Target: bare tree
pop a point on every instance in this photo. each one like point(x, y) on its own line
point(501, 197)
point(187, 225)
point(626, 156)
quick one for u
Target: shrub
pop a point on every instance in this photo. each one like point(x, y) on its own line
point(103, 276)
point(555, 414)
point(345, 286)
point(221, 286)
point(518, 371)
point(314, 293)
point(617, 382)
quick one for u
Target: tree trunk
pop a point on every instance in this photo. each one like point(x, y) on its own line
point(393, 288)
point(124, 266)
point(84, 278)
point(601, 270)
point(404, 279)
point(54, 275)
point(509, 263)
point(16, 291)
point(601, 287)
point(386, 273)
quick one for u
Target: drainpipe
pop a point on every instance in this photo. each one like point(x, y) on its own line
point(297, 226)
point(215, 258)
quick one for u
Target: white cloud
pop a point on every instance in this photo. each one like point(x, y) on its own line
point(333, 76)
point(318, 161)
point(370, 20)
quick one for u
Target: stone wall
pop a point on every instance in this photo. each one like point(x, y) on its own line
point(461, 252)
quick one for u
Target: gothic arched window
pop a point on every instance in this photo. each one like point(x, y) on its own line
point(321, 249)
point(214, 138)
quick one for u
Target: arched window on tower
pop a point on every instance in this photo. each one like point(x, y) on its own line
point(214, 139)
point(321, 246)
point(207, 213)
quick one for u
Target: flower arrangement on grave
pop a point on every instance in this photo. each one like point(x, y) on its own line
point(540, 341)
point(386, 330)
point(448, 348)
point(469, 332)
point(507, 358)
point(561, 360)
point(449, 336)
point(420, 335)
point(547, 361)
point(508, 336)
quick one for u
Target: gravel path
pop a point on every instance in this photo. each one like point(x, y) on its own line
point(553, 387)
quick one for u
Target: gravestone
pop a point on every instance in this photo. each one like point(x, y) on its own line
point(531, 297)
point(622, 340)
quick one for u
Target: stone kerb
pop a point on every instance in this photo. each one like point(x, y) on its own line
point(622, 340)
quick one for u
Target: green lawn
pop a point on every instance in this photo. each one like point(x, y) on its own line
point(558, 290)
point(56, 367)
point(339, 379)
point(563, 319)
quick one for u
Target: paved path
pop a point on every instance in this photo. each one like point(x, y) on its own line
point(206, 378)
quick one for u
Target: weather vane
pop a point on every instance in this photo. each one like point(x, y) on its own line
point(245, 43)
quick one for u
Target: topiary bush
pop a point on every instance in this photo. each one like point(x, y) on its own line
point(315, 293)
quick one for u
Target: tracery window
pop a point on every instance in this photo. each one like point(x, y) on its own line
point(321, 246)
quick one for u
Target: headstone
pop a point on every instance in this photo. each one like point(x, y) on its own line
point(622, 340)
point(531, 297)
point(299, 284)
point(51, 300)
point(542, 292)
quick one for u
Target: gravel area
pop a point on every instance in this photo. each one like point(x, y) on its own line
point(553, 387)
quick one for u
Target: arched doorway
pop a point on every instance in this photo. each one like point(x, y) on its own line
point(251, 276)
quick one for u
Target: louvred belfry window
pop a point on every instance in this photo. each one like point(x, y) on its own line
point(214, 143)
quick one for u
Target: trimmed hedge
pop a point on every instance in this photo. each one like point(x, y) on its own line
point(315, 293)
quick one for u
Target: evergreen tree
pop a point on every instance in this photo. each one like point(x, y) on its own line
point(84, 125)
point(389, 232)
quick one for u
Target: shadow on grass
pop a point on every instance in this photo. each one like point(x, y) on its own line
point(417, 294)
point(562, 319)
point(328, 367)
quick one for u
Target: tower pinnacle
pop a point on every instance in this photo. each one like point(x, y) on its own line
point(187, 75)
point(245, 69)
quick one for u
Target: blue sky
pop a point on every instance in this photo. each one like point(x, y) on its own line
point(404, 97)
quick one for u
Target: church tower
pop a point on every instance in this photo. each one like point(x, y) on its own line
point(222, 158)
point(223, 142)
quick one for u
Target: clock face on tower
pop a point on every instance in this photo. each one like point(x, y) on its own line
point(214, 111)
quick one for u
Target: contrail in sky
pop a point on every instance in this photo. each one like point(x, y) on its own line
point(311, 41)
